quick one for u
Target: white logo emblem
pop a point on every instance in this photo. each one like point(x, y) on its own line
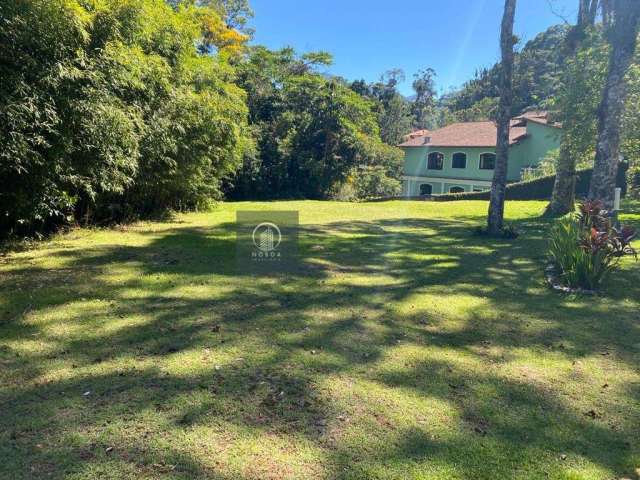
point(266, 237)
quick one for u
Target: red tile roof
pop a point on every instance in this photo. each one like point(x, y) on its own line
point(417, 133)
point(535, 117)
point(467, 134)
point(474, 134)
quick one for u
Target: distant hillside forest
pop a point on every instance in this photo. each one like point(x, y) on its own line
point(112, 110)
point(536, 81)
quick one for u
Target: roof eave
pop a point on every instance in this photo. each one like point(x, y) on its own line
point(512, 142)
point(462, 146)
point(539, 122)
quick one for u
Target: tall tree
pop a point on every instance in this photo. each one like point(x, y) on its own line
point(394, 116)
point(422, 107)
point(622, 34)
point(392, 109)
point(564, 188)
point(313, 134)
point(507, 41)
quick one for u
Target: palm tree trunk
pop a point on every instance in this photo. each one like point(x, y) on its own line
point(496, 205)
point(623, 34)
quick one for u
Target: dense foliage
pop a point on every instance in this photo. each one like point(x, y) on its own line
point(312, 133)
point(112, 109)
point(585, 248)
point(108, 108)
point(393, 111)
point(536, 79)
point(630, 141)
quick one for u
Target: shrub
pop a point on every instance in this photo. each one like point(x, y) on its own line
point(538, 189)
point(545, 168)
point(366, 183)
point(374, 182)
point(634, 181)
point(585, 248)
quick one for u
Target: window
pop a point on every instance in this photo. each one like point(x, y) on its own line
point(459, 160)
point(476, 189)
point(456, 190)
point(426, 189)
point(487, 161)
point(435, 160)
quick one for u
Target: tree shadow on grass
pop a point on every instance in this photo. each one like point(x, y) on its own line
point(280, 338)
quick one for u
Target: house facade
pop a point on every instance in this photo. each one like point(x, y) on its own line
point(461, 156)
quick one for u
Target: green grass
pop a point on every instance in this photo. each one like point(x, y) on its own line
point(403, 348)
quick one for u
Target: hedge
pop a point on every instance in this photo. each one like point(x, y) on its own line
point(538, 189)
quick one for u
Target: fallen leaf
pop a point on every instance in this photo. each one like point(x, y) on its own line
point(592, 414)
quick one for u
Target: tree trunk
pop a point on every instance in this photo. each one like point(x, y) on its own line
point(622, 35)
point(606, 13)
point(564, 188)
point(496, 205)
point(589, 11)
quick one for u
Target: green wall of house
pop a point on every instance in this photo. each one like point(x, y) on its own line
point(415, 163)
point(527, 153)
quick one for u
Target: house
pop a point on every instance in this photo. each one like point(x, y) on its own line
point(461, 157)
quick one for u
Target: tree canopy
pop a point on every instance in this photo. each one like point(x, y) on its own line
point(312, 132)
point(113, 109)
point(109, 107)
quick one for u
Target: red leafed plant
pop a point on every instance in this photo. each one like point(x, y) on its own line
point(585, 247)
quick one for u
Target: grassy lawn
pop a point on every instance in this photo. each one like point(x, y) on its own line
point(404, 348)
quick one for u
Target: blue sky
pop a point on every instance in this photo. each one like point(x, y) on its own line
point(369, 37)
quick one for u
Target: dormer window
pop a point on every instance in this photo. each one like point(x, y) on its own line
point(435, 161)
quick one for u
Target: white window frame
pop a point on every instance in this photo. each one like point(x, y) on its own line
point(480, 160)
point(444, 157)
point(466, 159)
point(425, 183)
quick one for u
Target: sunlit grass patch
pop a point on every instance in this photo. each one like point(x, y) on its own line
point(404, 347)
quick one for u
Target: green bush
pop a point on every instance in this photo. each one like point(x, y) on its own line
point(585, 248)
point(538, 189)
point(578, 267)
point(110, 109)
point(374, 182)
point(545, 168)
point(634, 181)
